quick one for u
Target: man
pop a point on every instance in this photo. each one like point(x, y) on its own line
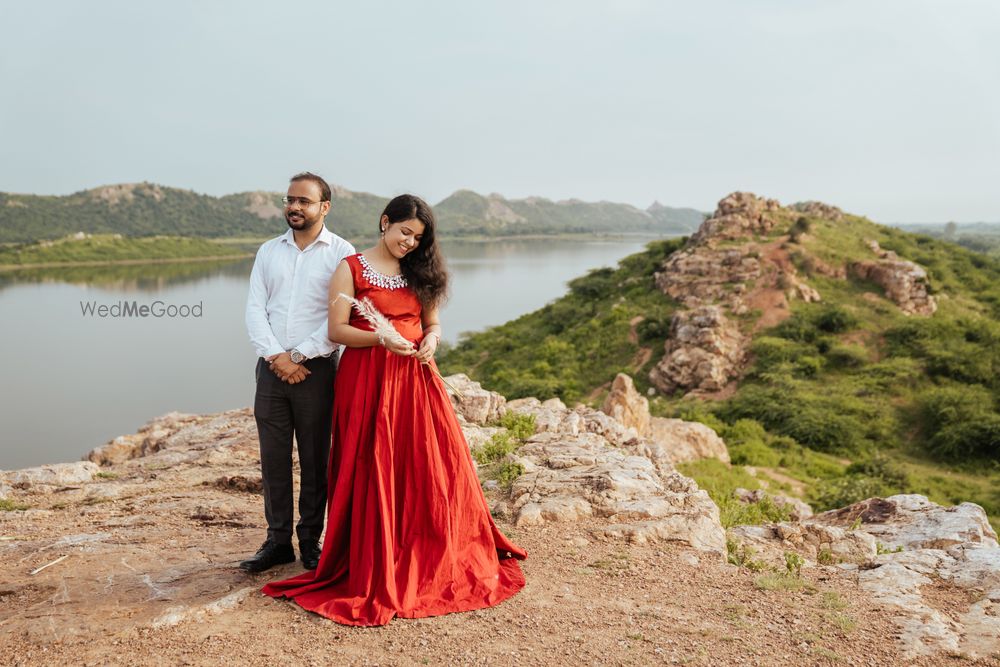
point(286, 320)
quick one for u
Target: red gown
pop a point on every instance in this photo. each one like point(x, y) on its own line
point(408, 531)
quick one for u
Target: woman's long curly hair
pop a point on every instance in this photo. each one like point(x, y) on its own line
point(423, 267)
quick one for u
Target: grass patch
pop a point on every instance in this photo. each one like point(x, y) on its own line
point(831, 600)
point(7, 505)
point(780, 581)
point(720, 481)
point(106, 475)
point(845, 623)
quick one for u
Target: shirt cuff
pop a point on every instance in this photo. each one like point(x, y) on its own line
point(271, 351)
point(308, 349)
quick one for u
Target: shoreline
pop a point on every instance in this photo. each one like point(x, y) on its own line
point(6, 268)
point(122, 262)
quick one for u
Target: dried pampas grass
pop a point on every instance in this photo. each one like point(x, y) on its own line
point(386, 332)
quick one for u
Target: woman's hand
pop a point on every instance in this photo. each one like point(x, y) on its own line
point(428, 346)
point(402, 351)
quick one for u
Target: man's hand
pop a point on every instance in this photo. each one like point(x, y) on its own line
point(288, 370)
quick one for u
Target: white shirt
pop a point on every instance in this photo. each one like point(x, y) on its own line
point(287, 304)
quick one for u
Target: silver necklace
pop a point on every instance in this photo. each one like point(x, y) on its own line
point(380, 279)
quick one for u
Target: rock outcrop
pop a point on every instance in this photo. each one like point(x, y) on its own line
point(582, 464)
point(908, 552)
point(710, 277)
point(683, 440)
point(704, 351)
point(627, 406)
point(818, 209)
point(701, 274)
point(739, 215)
point(472, 402)
point(904, 282)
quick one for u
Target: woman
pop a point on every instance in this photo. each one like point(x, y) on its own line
point(408, 529)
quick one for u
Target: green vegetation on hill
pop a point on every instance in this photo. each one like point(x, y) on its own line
point(146, 209)
point(115, 248)
point(578, 342)
point(849, 397)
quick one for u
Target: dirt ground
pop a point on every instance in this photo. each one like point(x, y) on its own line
point(144, 586)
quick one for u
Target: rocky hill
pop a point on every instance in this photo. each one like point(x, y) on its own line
point(839, 359)
point(147, 209)
point(130, 557)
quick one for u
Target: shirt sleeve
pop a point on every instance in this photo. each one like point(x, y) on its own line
point(258, 326)
point(318, 344)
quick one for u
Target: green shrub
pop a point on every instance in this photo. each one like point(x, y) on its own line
point(794, 563)
point(959, 421)
point(740, 555)
point(520, 426)
point(747, 443)
point(835, 493)
point(496, 449)
point(835, 319)
point(847, 356)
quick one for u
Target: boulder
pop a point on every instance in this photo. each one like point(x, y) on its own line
point(49, 478)
point(913, 522)
point(570, 478)
point(627, 406)
point(703, 352)
point(904, 282)
point(818, 543)
point(688, 441)
point(476, 404)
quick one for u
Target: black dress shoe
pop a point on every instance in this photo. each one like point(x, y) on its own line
point(310, 551)
point(270, 554)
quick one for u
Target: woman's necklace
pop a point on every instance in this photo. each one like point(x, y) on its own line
point(380, 279)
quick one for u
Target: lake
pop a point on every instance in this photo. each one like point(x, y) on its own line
point(74, 381)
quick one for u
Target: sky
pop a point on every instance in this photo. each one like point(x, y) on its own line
point(889, 109)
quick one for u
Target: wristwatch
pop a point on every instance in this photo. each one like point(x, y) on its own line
point(297, 357)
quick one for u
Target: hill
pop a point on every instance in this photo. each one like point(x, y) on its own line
point(146, 209)
point(839, 359)
point(466, 212)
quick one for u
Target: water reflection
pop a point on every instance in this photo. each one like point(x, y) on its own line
point(152, 277)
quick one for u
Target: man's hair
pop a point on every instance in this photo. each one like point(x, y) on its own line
point(324, 187)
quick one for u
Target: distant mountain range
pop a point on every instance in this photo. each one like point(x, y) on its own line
point(147, 209)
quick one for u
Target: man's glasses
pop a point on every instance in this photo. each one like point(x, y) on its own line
point(301, 201)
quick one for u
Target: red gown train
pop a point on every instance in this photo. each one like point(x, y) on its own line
point(408, 530)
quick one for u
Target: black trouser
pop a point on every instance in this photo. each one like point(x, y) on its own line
point(306, 409)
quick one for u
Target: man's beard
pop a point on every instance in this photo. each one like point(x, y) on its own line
point(301, 223)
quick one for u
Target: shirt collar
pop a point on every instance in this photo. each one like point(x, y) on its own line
point(325, 236)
